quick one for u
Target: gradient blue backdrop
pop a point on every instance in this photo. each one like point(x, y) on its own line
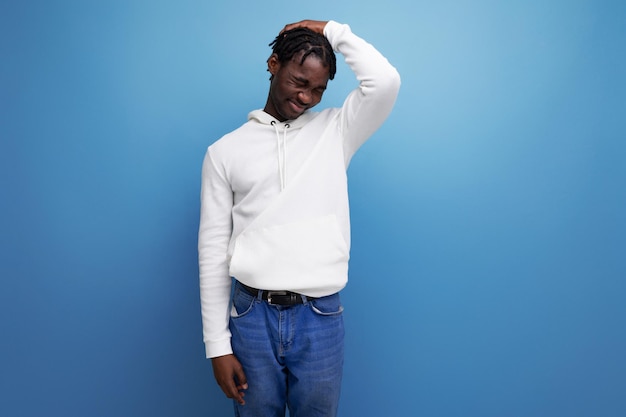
point(488, 264)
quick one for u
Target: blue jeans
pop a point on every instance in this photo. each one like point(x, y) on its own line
point(292, 355)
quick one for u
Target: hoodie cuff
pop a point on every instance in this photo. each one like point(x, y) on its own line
point(332, 30)
point(219, 348)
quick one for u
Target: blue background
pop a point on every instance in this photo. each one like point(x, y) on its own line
point(488, 264)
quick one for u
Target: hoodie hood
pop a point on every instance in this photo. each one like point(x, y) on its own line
point(262, 117)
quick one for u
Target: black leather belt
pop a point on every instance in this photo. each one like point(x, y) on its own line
point(280, 298)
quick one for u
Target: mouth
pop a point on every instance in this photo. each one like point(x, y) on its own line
point(296, 108)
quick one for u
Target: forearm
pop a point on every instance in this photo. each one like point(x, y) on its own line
point(214, 298)
point(213, 237)
point(375, 74)
point(366, 108)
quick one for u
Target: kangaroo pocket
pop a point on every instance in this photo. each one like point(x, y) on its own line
point(309, 257)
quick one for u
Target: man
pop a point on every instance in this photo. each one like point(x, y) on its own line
point(275, 217)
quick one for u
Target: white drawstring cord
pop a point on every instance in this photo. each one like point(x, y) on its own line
point(287, 126)
point(282, 154)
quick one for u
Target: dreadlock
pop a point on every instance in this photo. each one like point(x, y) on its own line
point(289, 43)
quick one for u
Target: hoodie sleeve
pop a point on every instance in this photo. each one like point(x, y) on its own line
point(213, 237)
point(366, 107)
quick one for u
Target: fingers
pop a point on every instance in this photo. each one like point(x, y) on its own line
point(233, 391)
point(230, 377)
point(241, 387)
point(241, 378)
point(314, 25)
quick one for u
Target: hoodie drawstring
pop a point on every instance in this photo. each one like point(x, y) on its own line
point(282, 154)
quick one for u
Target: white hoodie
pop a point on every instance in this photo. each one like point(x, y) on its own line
point(274, 194)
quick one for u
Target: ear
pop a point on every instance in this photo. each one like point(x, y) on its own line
point(273, 64)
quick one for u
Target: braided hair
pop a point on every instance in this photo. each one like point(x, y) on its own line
point(291, 42)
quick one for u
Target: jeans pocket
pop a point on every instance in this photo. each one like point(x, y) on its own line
point(242, 304)
point(327, 306)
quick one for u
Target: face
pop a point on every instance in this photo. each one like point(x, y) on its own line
point(295, 88)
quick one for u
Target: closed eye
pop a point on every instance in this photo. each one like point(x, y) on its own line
point(301, 82)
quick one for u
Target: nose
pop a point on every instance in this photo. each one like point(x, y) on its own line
point(305, 97)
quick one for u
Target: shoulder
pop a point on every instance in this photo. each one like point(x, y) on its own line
point(325, 116)
point(230, 141)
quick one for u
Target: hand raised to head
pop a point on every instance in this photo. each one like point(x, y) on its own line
point(315, 25)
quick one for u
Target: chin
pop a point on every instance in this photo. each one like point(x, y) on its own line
point(291, 113)
point(286, 117)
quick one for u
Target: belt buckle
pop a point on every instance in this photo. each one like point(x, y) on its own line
point(278, 293)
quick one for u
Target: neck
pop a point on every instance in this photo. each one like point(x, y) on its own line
point(269, 109)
